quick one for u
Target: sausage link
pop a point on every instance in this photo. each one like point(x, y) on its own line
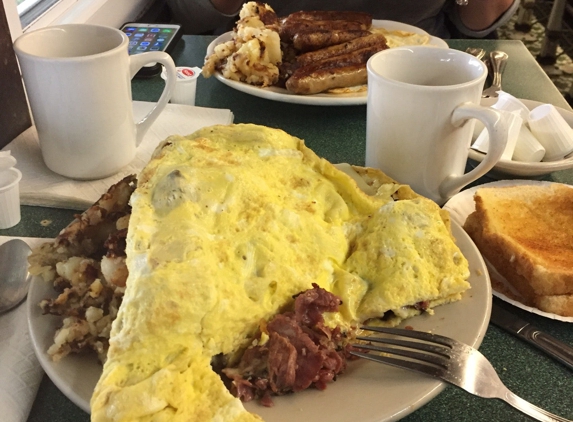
point(290, 28)
point(316, 40)
point(325, 79)
point(331, 15)
point(301, 81)
point(355, 57)
point(373, 40)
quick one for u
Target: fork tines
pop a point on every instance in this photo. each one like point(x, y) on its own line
point(429, 354)
point(446, 359)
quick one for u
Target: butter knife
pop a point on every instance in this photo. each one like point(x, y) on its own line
point(522, 329)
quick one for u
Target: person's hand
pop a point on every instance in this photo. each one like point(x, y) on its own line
point(481, 14)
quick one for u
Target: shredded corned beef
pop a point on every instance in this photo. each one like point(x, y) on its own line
point(301, 352)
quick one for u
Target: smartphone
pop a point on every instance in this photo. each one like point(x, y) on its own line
point(144, 37)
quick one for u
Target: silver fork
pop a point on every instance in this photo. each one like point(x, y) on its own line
point(446, 359)
point(498, 60)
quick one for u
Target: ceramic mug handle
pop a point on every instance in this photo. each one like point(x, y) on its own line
point(498, 130)
point(136, 62)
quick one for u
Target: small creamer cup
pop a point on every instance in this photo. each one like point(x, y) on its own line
point(185, 86)
point(508, 102)
point(515, 122)
point(552, 131)
point(528, 149)
point(10, 197)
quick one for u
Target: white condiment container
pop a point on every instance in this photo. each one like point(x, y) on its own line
point(552, 131)
point(505, 102)
point(528, 149)
point(186, 85)
point(514, 122)
point(9, 191)
point(508, 102)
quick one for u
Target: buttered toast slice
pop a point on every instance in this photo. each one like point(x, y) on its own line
point(526, 233)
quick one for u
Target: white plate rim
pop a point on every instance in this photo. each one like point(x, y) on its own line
point(361, 377)
point(462, 204)
point(282, 95)
point(523, 169)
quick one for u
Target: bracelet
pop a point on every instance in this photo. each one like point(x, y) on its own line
point(462, 2)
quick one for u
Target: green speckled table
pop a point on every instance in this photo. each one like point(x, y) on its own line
point(338, 134)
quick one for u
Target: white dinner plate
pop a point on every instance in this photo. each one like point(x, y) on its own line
point(462, 205)
point(366, 392)
point(511, 169)
point(324, 99)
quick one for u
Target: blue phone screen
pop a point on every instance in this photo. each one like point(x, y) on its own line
point(148, 38)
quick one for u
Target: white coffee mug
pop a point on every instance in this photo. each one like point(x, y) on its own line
point(421, 101)
point(78, 81)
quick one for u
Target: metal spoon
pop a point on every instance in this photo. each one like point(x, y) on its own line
point(498, 61)
point(14, 280)
point(476, 52)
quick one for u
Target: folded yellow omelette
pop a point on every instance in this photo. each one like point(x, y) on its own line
point(227, 225)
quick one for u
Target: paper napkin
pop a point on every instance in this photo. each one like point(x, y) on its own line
point(41, 186)
point(20, 371)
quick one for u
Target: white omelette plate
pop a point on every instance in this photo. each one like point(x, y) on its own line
point(374, 391)
point(511, 169)
point(281, 94)
point(462, 205)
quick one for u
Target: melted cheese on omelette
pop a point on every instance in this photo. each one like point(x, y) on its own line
point(227, 225)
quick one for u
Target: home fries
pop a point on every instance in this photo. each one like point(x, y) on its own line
point(250, 256)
